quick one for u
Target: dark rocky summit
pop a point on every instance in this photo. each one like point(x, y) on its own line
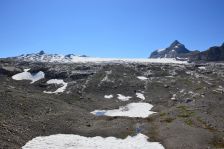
point(176, 49)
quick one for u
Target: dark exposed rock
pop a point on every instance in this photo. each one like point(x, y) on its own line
point(41, 52)
point(9, 70)
point(212, 54)
point(178, 51)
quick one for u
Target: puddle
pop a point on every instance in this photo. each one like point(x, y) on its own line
point(100, 113)
point(138, 128)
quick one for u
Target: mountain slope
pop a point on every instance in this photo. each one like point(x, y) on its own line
point(215, 53)
point(188, 101)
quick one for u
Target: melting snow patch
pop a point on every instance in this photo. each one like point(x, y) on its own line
point(108, 96)
point(202, 68)
point(57, 81)
point(70, 141)
point(131, 110)
point(140, 95)
point(123, 98)
point(142, 78)
point(28, 76)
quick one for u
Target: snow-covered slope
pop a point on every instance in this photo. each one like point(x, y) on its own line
point(71, 58)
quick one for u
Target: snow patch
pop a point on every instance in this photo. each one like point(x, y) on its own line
point(123, 98)
point(70, 141)
point(26, 70)
point(174, 97)
point(160, 50)
point(108, 96)
point(140, 95)
point(57, 81)
point(202, 68)
point(131, 110)
point(142, 78)
point(28, 76)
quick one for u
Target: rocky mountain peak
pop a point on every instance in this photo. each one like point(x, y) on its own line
point(41, 52)
point(176, 44)
point(176, 49)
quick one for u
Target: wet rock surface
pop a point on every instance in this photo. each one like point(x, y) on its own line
point(188, 99)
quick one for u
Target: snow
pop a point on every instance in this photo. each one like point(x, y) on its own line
point(174, 97)
point(142, 78)
point(108, 96)
point(131, 110)
point(71, 141)
point(77, 59)
point(57, 81)
point(160, 50)
point(28, 76)
point(27, 69)
point(202, 68)
point(123, 98)
point(100, 60)
point(140, 95)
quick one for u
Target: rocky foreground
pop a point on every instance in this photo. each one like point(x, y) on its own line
point(187, 98)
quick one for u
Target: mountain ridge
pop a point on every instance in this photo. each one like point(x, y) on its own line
point(179, 51)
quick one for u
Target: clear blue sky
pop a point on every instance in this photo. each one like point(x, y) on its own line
point(108, 28)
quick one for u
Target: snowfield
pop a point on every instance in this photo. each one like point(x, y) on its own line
point(125, 60)
point(69, 141)
point(28, 76)
point(131, 110)
point(59, 90)
point(80, 59)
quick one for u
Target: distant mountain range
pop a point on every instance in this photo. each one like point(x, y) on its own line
point(43, 57)
point(179, 51)
point(176, 51)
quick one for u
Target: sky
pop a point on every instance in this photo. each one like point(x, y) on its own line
point(108, 28)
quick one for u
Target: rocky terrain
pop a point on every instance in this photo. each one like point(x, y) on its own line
point(179, 51)
point(187, 98)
